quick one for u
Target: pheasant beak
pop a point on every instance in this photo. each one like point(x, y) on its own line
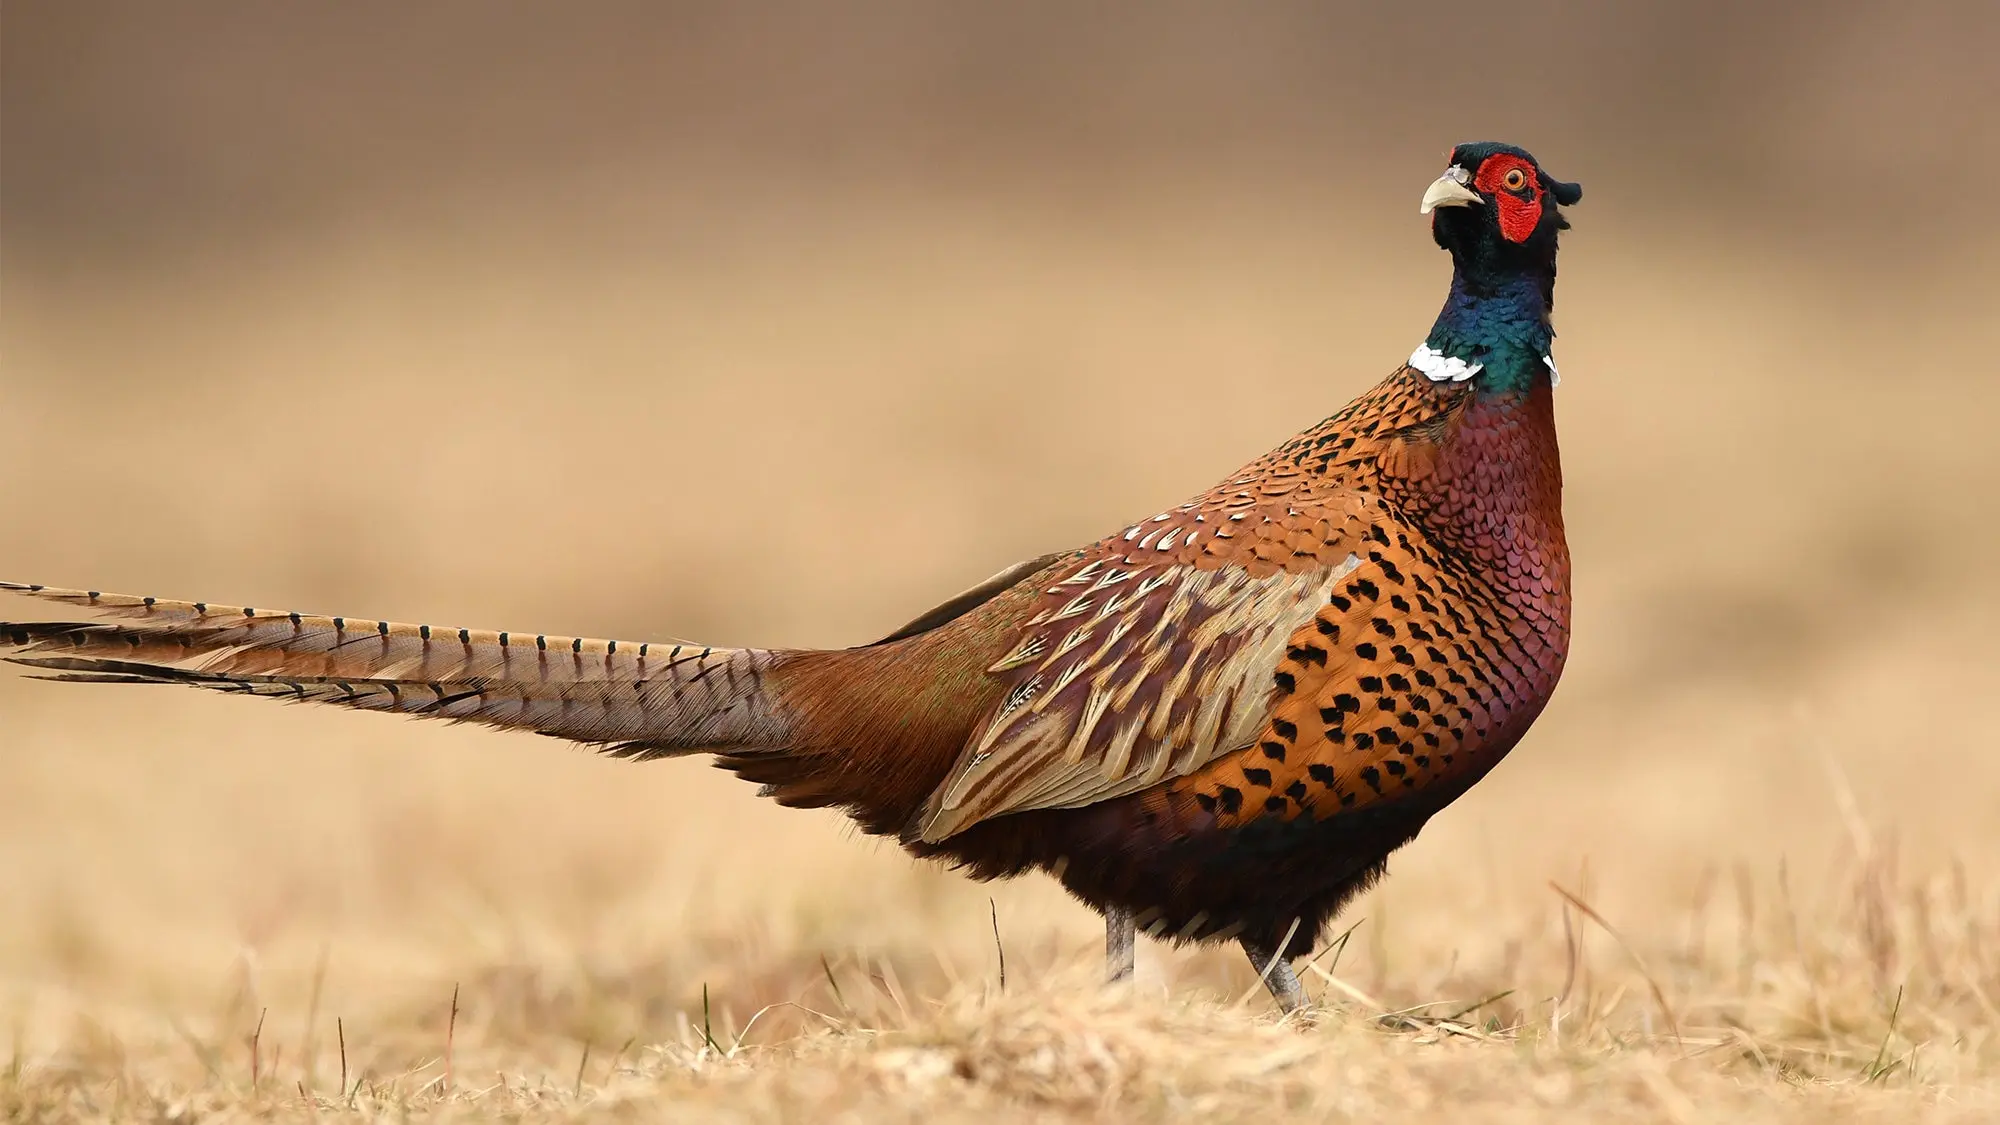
point(1449, 190)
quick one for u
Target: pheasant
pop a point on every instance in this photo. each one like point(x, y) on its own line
point(1213, 724)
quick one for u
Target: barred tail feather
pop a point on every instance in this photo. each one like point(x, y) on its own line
point(634, 700)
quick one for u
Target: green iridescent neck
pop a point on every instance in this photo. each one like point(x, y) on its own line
point(1499, 323)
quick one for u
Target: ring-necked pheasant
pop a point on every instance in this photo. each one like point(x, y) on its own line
point(1215, 723)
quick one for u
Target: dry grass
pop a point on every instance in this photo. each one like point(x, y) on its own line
point(1877, 1009)
point(597, 349)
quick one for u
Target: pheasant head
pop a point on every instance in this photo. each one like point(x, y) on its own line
point(1498, 214)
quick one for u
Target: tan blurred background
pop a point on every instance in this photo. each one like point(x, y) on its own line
point(775, 324)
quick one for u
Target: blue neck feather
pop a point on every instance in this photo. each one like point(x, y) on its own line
point(1499, 321)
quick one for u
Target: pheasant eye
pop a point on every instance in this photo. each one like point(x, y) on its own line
point(1516, 179)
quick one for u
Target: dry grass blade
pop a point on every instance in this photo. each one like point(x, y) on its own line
point(999, 950)
point(1476, 1005)
point(1572, 957)
point(827, 969)
point(210, 1062)
point(310, 1044)
point(450, 1038)
point(256, 1051)
point(1876, 1072)
point(1346, 988)
point(1652, 983)
point(708, 1024)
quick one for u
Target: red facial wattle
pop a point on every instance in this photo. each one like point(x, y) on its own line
point(1518, 208)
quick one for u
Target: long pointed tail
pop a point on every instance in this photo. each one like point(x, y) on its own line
point(632, 699)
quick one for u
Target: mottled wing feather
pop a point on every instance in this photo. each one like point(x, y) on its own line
point(1152, 655)
point(1407, 685)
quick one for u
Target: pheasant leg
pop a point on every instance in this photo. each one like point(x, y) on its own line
point(1120, 933)
point(1279, 978)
